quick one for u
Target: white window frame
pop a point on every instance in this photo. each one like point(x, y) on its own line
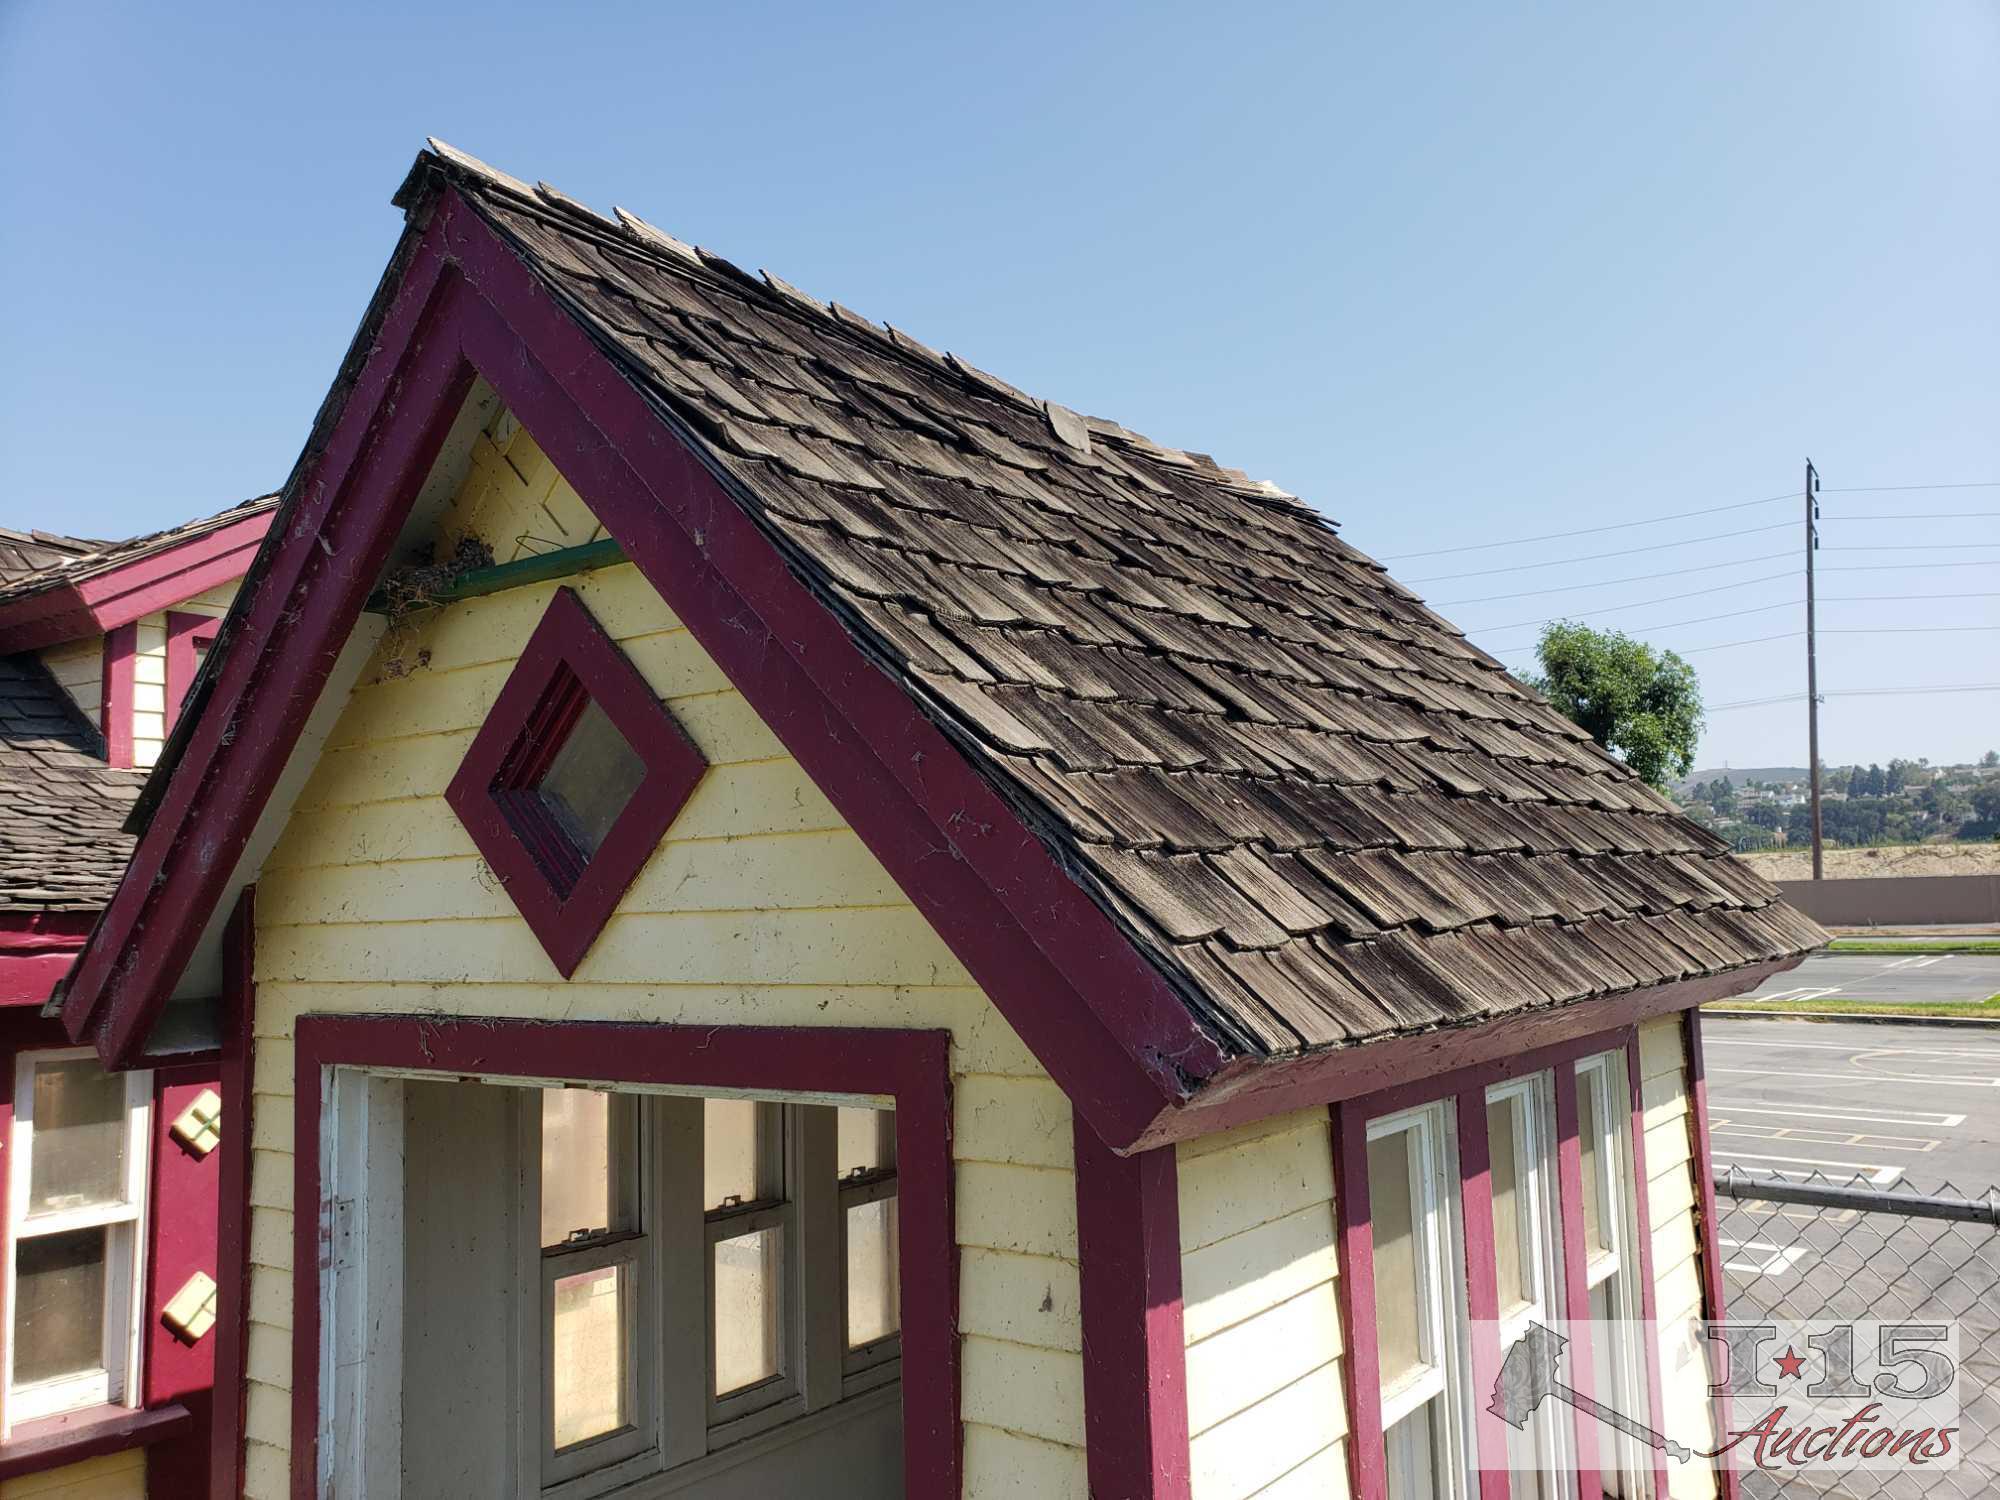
point(1537, 1185)
point(1444, 1328)
point(1604, 1074)
point(637, 1153)
point(119, 1381)
point(864, 1366)
point(751, 1409)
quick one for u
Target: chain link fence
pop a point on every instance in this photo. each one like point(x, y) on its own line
point(1818, 1248)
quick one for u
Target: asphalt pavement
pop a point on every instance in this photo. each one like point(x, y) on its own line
point(1885, 977)
point(1916, 1105)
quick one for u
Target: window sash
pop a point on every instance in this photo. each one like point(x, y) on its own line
point(116, 1380)
point(600, 1463)
point(1604, 1074)
point(1443, 1331)
point(866, 1360)
point(675, 1247)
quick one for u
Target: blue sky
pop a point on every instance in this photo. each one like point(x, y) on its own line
point(1456, 275)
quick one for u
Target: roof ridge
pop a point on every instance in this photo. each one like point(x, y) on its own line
point(1071, 427)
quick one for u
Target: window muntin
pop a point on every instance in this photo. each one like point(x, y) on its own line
point(75, 1240)
point(707, 1208)
point(1420, 1307)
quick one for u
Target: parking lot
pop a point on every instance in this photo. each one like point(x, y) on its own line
point(1916, 1105)
point(1885, 977)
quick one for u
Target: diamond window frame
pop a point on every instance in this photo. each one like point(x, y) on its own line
point(569, 661)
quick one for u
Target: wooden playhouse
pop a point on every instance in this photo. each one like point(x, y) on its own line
point(807, 923)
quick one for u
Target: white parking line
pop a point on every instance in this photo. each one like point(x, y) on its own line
point(1867, 1117)
point(1875, 1172)
point(1788, 1075)
point(1849, 1047)
point(1777, 1260)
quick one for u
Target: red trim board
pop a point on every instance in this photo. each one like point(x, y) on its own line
point(232, 1228)
point(912, 1067)
point(1576, 1279)
point(36, 950)
point(1482, 1278)
point(118, 596)
point(568, 645)
point(1097, 1014)
point(1467, 1089)
point(187, 635)
point(121, 650)
point(1135, 1409)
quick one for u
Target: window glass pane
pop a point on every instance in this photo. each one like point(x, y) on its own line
point(1398, 1309)
point(580, 1165)
point(79, 1141)
point(1591, 1142)
point(1411, 1450)
point(866, 1140)
point(1503, 1147)
point(591, 778)
point(873, 1309)
point(742, 1151)
point(59, 1305)
point(749, 1309)
point(588, 1349)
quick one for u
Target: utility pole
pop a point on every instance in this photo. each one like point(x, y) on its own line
point(1812, 670)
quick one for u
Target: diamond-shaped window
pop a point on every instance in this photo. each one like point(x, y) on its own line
point(573, 779)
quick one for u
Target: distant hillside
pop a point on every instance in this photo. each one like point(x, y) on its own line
point(1738, 775)
point(1922, 859)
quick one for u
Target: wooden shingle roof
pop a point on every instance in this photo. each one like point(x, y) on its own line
point(47, 562)
point(62, 809)
point(1323, 813)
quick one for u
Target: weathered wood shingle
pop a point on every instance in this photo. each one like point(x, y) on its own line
point(62, 843)
point(1323, 812)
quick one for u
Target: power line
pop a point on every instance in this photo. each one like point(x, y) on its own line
point(1906, 692)
point(1988, 562)
point(1607, 582)
point(1893, 598)
point(1556, 536)
point(1740, 583)
point(1667, 625)
point(1880, 489)
point(1918, 547)
point(1887, 692)
point(1612, 609)
point(1587, 557)
point(1935, 515)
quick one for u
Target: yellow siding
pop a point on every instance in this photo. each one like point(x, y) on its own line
point(761, 907)
point(79, 667)
point(116, 1476)
point(149, 671)
point(1670, 1200)
point(1266, 1413)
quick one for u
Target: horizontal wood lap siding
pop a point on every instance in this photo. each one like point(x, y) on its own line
point(761, 907)
point(1259, 1288)
point(115, 1476)
point(1663, 1085)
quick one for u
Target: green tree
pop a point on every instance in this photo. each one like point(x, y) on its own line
point(1990, 759)
point(1643, 705)
point(1764, 815)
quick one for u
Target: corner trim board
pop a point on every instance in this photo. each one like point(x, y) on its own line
point(1135, 1405)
